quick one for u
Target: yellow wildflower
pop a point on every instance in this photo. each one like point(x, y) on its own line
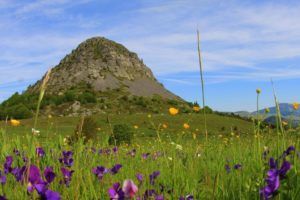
point(186, 126)
point(296, 106)
point(135, 126)
point(165, 126)
point(267, 110)
point(15, 122)
point(173, 111)
point(196, 108)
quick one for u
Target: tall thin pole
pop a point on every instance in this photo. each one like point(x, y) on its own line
point(202, 83)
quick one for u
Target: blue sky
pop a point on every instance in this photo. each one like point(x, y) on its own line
point(244, 43)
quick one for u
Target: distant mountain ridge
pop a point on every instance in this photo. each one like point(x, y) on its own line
point(286, 110)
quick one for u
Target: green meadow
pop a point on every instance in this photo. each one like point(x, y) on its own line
point(231, 164)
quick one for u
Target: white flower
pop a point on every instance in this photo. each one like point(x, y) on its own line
point(35, 132)
point(179, 147)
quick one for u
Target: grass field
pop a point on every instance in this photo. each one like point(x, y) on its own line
point(232, 164)
point(66, 125)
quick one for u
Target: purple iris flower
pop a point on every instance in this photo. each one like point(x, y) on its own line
point(129, 188)
point(272, 163)
point(116, 192)
point(2, 178)
point(115, 169)
point(93, 149)
point(67, 176)
point(227, 168)
point(16, 152)
point(188, 197)
point(25, 159)
point(49, 174)
point(149, 193)
point(19, 173)
point(50, 195)
point(274, 175)
point(139, 177)
point(265, 154)
point(159, 197)
point(107, 151)
point(132, 153)
point(289, 150)
point(115, 149)
point(7, 164)
point(66, 158)
point(145, 155)
point(156, 155)
point(40, 152)
point(153, 176)
point(100, 151)
point(237, 166)
point(3, 197)
point(35, 182)
point(99, 171)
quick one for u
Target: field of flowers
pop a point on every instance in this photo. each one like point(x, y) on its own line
point(182, 165)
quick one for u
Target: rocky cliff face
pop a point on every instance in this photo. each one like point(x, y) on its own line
point(104, 65)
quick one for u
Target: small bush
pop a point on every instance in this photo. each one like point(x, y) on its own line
point(86, 129)
point(70, 96)
point(19, 111)
point(122, 133)
point(87, 97)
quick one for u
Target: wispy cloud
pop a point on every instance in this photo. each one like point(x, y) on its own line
point(240, 40)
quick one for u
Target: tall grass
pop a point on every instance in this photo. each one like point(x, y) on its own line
point(202, 83)
point(42, 92)
point(192, 169)
point(279, 127)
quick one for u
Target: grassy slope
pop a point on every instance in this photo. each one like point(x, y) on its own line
point(66, 125)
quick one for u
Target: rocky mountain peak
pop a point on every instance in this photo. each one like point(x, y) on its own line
point(104, 65)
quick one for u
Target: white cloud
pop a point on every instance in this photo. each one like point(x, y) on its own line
point(235, 36)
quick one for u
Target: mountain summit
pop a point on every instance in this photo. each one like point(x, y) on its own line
point(99, 76)
point(104, 65)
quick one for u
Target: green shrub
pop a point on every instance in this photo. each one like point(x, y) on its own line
point(172, 102)
point(70, 96)
point(141, 102)
point(122, 133)
point(208, 110)
point(86, 129)
point(87, 97)
point(19, 111)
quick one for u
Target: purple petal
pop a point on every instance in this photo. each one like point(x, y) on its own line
point(51, 195)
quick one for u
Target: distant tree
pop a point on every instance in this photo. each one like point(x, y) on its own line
point(122, 133)
point(86, 129)
point(19, 111)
